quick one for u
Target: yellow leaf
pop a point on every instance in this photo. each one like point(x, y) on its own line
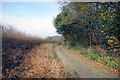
point(107, 36)
point(113, 61)
point(101, 14)
point(110, 40)
point(112, 37)
point(111, 44)
point(115, 50)
point(91, 65)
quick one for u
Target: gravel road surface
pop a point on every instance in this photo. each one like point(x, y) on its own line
point(79, 67)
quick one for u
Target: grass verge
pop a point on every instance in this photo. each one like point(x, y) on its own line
point(98, 55)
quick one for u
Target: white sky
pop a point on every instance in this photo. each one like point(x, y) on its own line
point(35, 18)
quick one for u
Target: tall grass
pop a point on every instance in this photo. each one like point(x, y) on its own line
point(15, 45)
point(11, 32)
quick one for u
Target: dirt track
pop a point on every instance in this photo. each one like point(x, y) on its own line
point(81, 68)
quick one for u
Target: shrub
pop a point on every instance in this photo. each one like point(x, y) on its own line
point(85, 53)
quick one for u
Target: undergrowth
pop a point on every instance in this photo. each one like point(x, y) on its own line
point(99, 55)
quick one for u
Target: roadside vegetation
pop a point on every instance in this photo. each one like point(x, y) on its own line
point(26, 56)
point(98, 55)
point(91, 29)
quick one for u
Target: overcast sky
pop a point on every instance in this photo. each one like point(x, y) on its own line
point(35, 18)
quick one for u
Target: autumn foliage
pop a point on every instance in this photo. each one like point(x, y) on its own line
point(94, 26)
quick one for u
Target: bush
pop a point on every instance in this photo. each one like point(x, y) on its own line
point(75, 48)
point(85, 53)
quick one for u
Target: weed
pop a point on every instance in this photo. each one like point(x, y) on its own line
point(99, 55)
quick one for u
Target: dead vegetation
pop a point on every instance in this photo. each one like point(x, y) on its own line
point(10, 32)
point(25, 56)
point(38, 63)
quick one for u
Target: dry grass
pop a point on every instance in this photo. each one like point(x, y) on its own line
point(14, 39)
point(26, 56)
point(38, 63)
point(13, 33)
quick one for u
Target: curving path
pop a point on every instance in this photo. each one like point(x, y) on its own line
point(79, 67)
